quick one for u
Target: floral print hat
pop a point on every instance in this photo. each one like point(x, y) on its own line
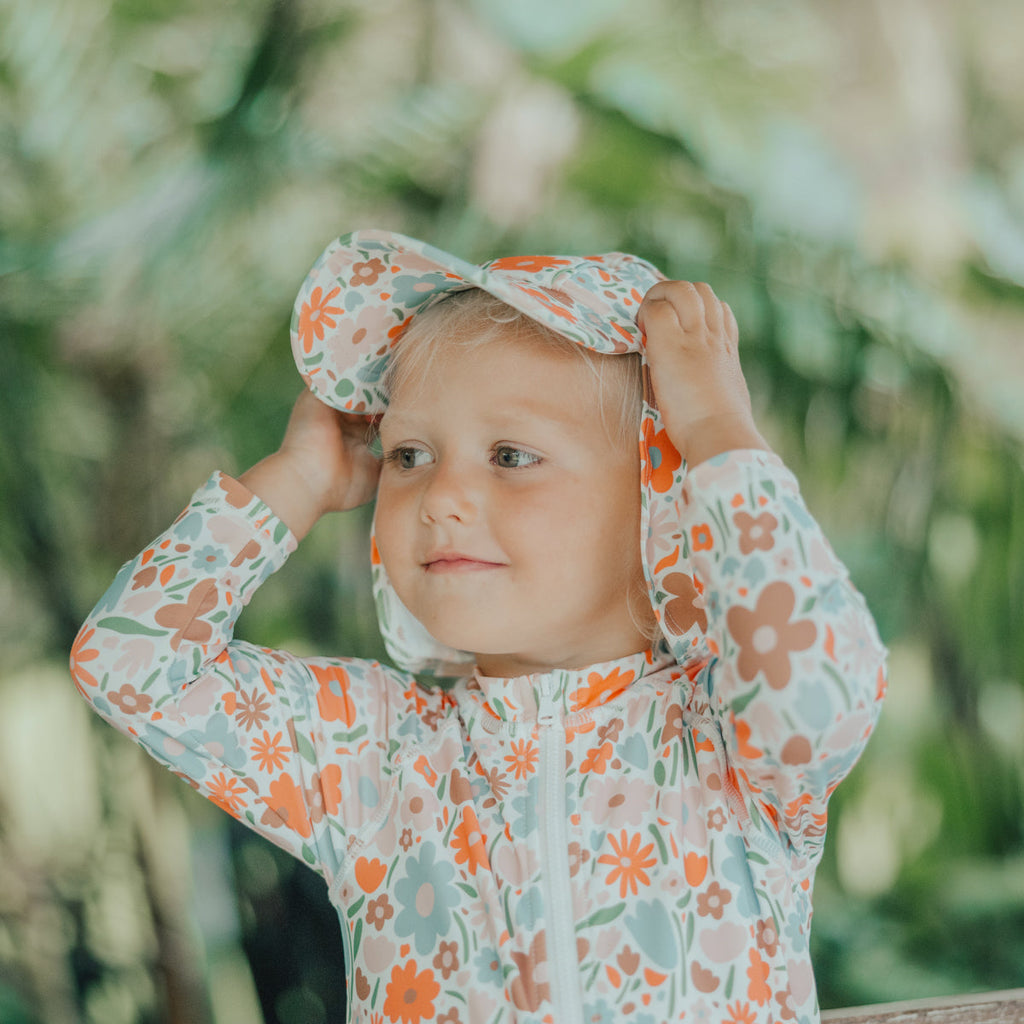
point(360, 297)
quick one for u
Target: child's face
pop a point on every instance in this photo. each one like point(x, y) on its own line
point(507, 519)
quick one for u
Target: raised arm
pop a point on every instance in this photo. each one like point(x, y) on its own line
point(156, 657)
point(798, 674)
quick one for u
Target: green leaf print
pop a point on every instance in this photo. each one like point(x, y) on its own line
point(602, 916)
point(122, 625)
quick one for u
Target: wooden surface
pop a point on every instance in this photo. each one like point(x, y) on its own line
point(981, 1008)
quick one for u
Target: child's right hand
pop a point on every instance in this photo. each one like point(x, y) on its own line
point(323, 465)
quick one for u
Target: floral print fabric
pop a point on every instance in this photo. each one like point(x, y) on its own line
point(634, 841)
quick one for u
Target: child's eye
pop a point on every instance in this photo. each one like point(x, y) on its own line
point(507, 457)
point(405, 457)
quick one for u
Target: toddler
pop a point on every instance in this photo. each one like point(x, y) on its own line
point(615, 811)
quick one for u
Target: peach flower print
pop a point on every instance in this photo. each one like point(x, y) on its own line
point(767, 637)
point(686, 606)
point(755, 531)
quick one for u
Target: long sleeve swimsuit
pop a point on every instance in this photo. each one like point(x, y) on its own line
point(631, 841)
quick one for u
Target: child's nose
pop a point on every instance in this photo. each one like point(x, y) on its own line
point(449, 494)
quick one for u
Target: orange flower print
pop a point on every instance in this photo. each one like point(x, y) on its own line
point(468, 842)
point(523, 759)
point(741, 1013)
point(696, 867)
point(597, 759)
point(628, 862)
point(686, 606)
point(660, 459)
point(600, 689)
point(80, 654)
point(269, 753)
point(285, 806)
point(757, 972)
point(315, 315)
point(333, 699)
point(410, 994)
point(130, 701)
point(366, 273)
point(228, 793)
point(528, 264)
point(701, 537)
point(755, 532)
point(766, 636)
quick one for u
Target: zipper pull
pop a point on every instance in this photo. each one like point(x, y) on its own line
point(547, 713)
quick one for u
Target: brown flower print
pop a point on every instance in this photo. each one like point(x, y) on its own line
point(767, 936)
point(755, 531)
point(186, 618)
point(447, 959)
point(379, 911)
point(767, 637)
point(526, 991)
point(673, 727)
point(367, 273)
point(578, 856)
point(703, 980)
point(130, 701)
point(252, 709)
point(686, 606)
point(713, 902)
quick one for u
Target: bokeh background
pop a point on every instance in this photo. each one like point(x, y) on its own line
point(848, 175)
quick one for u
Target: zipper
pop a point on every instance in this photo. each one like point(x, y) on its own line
point(563, 965)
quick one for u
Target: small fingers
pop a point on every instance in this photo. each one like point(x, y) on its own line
point(732, 329)
point(690, 306)
point(713, 316)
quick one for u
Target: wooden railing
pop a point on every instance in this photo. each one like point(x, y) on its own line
point(983, 1008)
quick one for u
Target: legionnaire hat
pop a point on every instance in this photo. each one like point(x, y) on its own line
point(358, 300)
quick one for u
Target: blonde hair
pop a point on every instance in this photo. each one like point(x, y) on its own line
point(470, 318)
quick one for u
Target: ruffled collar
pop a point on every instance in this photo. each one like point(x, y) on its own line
point(573, 691)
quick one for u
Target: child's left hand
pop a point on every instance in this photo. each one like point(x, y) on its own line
point(692, 351)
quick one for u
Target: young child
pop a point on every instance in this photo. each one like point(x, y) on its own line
point(662, 671)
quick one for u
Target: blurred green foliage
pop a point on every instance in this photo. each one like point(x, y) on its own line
point(847, 178)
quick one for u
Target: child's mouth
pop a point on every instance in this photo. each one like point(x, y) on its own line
point(456, 563)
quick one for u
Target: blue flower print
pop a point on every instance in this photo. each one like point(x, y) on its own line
point(174, 752)
point(754, 571)
point(599, 1013)
point(410, 290)
point(524, 809)
point(427, 897)
point(737, 870)
point(652, 929)
point(208, 558)
point(220, 740)
point(110, 600)
point(191, 526)
point(530, 908)
point(488, 966)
